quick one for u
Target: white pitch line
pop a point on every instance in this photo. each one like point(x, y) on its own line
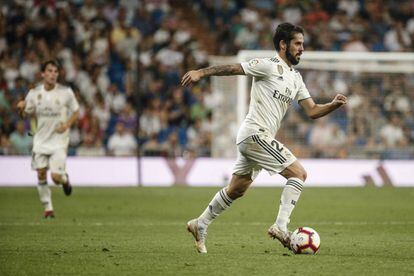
point(147, 224)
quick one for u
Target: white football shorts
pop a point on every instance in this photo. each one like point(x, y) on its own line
point(56, 161)
point(261, 151)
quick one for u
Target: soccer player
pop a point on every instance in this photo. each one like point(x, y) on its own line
point(55, 109)
point(276, 84)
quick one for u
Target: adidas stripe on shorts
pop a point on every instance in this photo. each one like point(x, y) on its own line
point(261, 151)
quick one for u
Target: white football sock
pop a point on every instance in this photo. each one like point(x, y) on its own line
point(45, 195)
point(288, 199)
point(220, 202)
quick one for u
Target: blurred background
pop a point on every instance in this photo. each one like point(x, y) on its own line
point(124, 60)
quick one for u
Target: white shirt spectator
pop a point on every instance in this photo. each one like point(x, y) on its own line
point(11, 72)
point(149, 122)
point(397, 39)
point(170, 57)
point(355, 45)
point(249, 15)
point(88, 10)
point(397, 98)
point(115, 99)
point(122, 143)
point(321, 134)
point(356, 99)
point(292, 14)
point(182, 36)
point(392, 135)
point(161, 36)
point(102, 113)
point(28, 69)
point(350, 6)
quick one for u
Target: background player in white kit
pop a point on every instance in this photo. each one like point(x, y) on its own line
point(275, 85)
point(55, 109)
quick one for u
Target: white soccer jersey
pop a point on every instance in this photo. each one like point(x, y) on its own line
point(275, 85)
point(50, 108)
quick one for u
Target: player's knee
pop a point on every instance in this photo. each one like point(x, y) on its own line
point(41, 174)
point(295, 170)
point(303, 175)
point(56, 178)
point(235, 193)
point(238, 186)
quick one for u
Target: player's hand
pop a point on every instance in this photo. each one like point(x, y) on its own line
point(191, 77)
point(339, 100)
point(62, 128)
point(21, 105)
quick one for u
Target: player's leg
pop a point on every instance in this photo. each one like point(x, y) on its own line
point(243, 176)
point(39, 163)
point(224, 198)
point(58, 170)
point(220, 202)
point(296, 176)
point(274, 157)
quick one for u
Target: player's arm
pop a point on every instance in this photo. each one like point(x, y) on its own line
point(67, 125)
point(21, 105)
point(26, 107)
point(219, 70)
point(314, 110)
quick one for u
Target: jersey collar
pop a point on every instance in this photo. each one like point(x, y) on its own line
point(44, 89)
point(283, 63)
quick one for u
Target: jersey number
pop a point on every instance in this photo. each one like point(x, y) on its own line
point(276, 145)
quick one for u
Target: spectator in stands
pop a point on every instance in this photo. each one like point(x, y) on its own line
point(397, 38)
point(20, 141)
point(392, 133)
point(321, 135)
point(105, 45)
point(91, 146)
point(173, 146)
point(5, 145)
point(115, 99)
point(122, 142)
point(128, 118)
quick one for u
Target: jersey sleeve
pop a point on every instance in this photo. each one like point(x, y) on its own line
point(257, 67)
point(72, 103)
point(303, 92)
point(30, 107)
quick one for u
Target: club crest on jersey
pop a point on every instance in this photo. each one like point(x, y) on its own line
point(39, 97)
point(253, 62)
point(280, 69)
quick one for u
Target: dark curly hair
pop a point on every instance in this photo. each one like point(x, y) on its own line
point(285, 32)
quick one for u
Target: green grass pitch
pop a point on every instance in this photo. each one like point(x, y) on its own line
point(141, 231)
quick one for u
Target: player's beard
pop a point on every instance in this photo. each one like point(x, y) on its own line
point(291, 58)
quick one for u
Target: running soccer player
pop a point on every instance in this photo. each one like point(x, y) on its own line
point(276, 84)
point(55, 109)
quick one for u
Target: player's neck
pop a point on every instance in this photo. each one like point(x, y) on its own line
point(284, 58)
point(49, 86)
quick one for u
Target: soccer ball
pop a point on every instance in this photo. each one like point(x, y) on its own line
point(305, 240)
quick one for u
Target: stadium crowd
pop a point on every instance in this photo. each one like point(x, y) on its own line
point(124, 60)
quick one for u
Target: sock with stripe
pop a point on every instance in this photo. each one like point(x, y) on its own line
point(288, 199)
point(45, 195)
point(220, 202)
